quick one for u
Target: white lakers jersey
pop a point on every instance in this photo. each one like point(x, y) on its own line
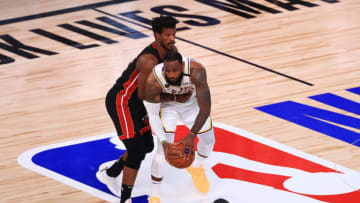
point(185, 85)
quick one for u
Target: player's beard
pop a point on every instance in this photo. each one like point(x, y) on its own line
point(169, 47)
point(175, 83)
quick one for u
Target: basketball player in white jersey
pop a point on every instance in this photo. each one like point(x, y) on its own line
point(186, 80)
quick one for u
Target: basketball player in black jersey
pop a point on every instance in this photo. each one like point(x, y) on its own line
point(126, 109)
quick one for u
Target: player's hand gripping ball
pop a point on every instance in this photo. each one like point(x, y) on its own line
point(179, 156)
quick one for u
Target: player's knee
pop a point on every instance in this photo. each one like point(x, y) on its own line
point(135, 158)
point(159, 158)
point(133, 162)
point(157, 165)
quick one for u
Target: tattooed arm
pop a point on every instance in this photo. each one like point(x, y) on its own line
point(152, 89)
point(198, 77)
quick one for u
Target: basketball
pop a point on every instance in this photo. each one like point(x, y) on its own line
point(179, 156)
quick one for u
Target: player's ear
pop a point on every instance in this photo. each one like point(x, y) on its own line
point(157, 36)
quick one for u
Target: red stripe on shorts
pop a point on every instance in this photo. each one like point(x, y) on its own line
point(123, 111)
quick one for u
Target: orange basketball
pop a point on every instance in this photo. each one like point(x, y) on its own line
point(179, 156)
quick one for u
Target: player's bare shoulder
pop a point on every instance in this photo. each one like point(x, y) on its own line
point(146, 62)
point(144, 66)
point(197, 72)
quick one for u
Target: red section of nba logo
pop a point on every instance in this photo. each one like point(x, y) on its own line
point(231, 143)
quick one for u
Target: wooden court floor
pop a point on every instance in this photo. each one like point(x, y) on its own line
point(59, 58)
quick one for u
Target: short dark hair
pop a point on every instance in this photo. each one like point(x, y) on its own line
point(164, 21)
point(173, 56)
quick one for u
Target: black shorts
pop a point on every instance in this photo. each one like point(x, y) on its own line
point(127, 112)
point(137, 148)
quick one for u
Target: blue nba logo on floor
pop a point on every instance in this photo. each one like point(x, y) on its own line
point(77, 163)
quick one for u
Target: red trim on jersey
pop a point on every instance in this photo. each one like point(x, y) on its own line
point(153, 45)
point(123, 111)
point(146, 128)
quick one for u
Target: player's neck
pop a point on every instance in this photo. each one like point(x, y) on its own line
point(161, 50)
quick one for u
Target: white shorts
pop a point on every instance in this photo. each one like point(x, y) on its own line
point(170, 112)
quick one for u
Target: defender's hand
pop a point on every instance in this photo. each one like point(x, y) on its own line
point(183, 97)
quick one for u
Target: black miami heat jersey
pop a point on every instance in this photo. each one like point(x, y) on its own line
point(129, 116)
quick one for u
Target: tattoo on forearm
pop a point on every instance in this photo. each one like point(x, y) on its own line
point(152, 90)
